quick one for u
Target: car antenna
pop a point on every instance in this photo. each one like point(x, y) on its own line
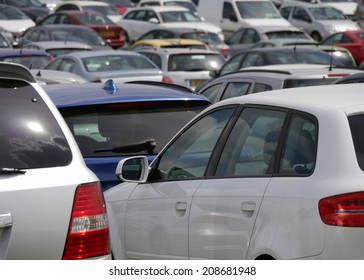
point(331, 55)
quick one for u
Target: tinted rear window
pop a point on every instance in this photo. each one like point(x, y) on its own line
point(100, 129)
point(357, 132)
point(30, 135)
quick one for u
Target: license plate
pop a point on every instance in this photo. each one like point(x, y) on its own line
point(196, 83)
point(108, 34)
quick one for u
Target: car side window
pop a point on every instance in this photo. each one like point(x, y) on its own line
point(285, 12)
point(236, 37)
point(212, 92)
point(189, 155)
point(232, 65)
point(228, 11)
point(259, 87)
point(251, 146)
point(235, 89)
point(251, 59)
point(250, 37)
point(299, 151)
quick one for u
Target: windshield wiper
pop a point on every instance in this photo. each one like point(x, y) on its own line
point(146, 145)
point(6, 170)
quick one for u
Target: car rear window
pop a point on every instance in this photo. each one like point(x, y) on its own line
point(101, 130)
point(195, 62)
point(30, 135)
point(292, 83)
point(357, 132)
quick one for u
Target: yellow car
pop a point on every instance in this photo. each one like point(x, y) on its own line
point(172, 42)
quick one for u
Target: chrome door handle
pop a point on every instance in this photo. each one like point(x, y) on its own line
point(6, 220)
point(248, 206)
point(181, 206)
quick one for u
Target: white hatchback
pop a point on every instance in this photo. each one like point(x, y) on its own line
point(51, 204)
point(274, 175)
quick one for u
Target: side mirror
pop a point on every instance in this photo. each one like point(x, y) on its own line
point(133, 169)
point(154, 20)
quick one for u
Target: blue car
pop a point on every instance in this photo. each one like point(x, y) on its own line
point(111, 122)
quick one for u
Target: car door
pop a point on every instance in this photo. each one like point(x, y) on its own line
point(226, 204)
point(157, 212)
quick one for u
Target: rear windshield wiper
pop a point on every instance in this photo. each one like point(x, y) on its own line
point(6, 170)
point(146, 145)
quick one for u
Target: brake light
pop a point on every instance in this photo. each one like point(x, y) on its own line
point(346, 210)
point(167, 80)
point(88, 234)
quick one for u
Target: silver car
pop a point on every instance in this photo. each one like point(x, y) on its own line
point(51, 205)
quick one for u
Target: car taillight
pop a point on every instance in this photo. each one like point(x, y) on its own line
point(346, 210)
point(167, 80)
point(88, 234)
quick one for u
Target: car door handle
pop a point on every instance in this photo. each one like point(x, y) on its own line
point(248, 206)
point(6, 220)
point(181, 206)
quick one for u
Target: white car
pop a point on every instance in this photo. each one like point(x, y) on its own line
point(184, 3)
point(189, 67)
point(102, 7)
point(318, 20)
point(139, 20)
point(272, 175)
point(51, 204)
point(14, 21)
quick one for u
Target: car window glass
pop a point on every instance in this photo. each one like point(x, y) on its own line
point(212, 92)
point(300, 14)
point(32, 134)
point(251, 146)
point(233, 64)
point(252, 59)
point(250, 36)
point(227, 11)
point(299, 152)
point(189, 155)
point(235, 38)
point(258, 87)
point(235, 89)
point(357, 132)
point(285, 11)
point(346, 39)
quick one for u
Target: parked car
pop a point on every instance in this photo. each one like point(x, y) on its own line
point(98, 6)
point(32, 59)
point(50, 77)
point(34, 9)
point(188, 4)
point(117, 120)
point(64, 33)
point(56, 48)
point(347, 7)
point(113, 33)
point(318, 20)
point(265, 78)
point(210, 38)
point(14, 21)
point(350, 79)
point(186, 66)
point(137, 21)
point(341, 54)
point(100, 66)
point(351, 40)
point(169, 43)
point(246, 37)
point(5, 41)
point(249, 178)
point(276, 55)
point(231, 15)
point(51, 204)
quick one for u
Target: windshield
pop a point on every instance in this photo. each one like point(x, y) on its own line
point(106, 10)
point(326, 13)
point(286, 34)
point(110, 127)
point(94, 19)
point(313, 57)
point(89, 37)
point(11, 13)
point(207, 37)
point(257, 9)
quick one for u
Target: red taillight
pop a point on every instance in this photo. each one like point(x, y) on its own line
point(88, 234)
point(167, 80)
point(346, 210)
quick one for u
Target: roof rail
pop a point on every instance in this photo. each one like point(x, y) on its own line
point(15, 70)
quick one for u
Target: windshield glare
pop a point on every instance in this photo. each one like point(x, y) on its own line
point(257, 9)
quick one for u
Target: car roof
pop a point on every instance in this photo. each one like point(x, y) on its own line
point(269, 28)
point(166, 50)
point(304, 4)
point(159, 8)
point(169, 42)
point(310, 99)
point(94, 53)
point(81, 94)
point(19, 52)
point(59, 44)
point(62, 27)
point(84, 3)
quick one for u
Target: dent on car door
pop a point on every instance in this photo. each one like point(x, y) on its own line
point(157, 214)
point(226, 204)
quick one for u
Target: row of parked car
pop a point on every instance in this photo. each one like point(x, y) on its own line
point(159, 169)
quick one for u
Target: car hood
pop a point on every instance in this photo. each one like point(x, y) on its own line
point(340, 25)
point(16, 26)
point(198, 25)
point(114, 18)
point(268, 22)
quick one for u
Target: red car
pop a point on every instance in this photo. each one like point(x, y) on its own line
point(352, 40)
point(113, 33)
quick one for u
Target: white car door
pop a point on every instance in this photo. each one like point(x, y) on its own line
point(226, 205)
point(157, 212)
